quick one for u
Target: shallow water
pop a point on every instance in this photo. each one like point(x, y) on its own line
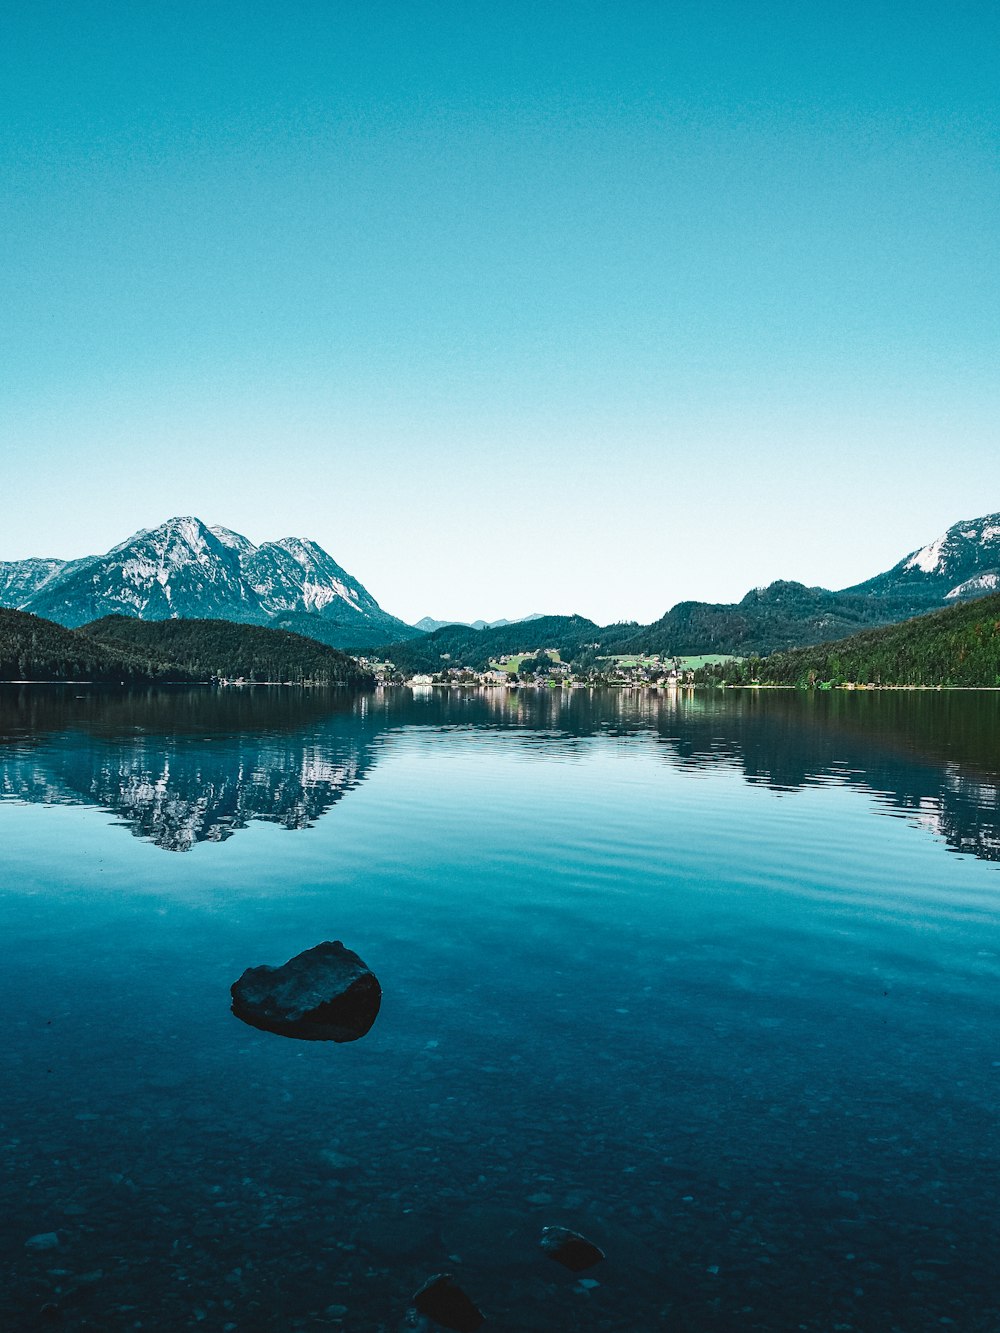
point(711, 978)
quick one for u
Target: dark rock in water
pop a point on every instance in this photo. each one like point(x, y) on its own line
point(324, 994)
point(570, 1249)
point(444, 1301)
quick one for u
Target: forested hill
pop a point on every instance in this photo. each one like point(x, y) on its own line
point(782, 615)
point(35, 649)
point(223, 648)
point(461, 645)
point(959, 646)
point(121, 650)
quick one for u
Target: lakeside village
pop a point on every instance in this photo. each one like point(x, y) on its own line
point(544, 667)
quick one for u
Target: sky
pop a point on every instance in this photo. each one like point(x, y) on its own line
point(512, 307)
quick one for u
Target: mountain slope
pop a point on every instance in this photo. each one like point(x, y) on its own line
point(178, 569)
point(21, 579)
point(186, 569)
point(951, 566)
point(958, 646)
point(782, 615)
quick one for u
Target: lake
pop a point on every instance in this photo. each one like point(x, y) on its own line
point(710, 978)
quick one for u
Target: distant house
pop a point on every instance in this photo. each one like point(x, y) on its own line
point(422, 680)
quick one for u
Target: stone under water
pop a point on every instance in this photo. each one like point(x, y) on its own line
point(444, 1301)
point(324, 994)
point(570, 1249)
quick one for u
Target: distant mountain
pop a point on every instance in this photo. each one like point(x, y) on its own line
point(186, 569)
point(428, 625)
point(958, 646)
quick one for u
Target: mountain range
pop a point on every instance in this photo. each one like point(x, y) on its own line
point(962, 563)
point(187, 569)
point(427, 624)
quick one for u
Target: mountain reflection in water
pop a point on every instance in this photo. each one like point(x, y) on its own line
point(181, 767)
point(185, 767)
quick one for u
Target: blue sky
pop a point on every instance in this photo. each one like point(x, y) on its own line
point(513, 307)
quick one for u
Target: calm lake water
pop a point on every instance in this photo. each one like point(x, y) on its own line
point(713, 979)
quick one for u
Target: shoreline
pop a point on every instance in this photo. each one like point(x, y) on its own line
point(846, 688)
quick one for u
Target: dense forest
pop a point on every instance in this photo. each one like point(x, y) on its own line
point(35, 649)
point(959, 646)
point(221, 648)
point(120, 649)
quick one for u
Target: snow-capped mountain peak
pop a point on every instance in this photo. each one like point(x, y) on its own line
point(184, 568)
point(957, 564)
point(965, 550)
point(176, 535)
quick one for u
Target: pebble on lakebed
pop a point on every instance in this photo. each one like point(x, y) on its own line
point(324, 994)
point(570, 1249)
point(443, 1300)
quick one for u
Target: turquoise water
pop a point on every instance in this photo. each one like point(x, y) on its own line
point(712, 979)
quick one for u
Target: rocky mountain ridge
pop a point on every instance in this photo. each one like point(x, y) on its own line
point(962, 562)
point(186, 569)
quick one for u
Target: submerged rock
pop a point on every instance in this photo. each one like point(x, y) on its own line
point(443, 1300)
point(324, 994)
point(45, 1240)
point(570, 1249)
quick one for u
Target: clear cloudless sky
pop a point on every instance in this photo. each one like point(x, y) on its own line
point(513, 307)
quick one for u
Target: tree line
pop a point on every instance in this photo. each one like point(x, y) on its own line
point(959, 646)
